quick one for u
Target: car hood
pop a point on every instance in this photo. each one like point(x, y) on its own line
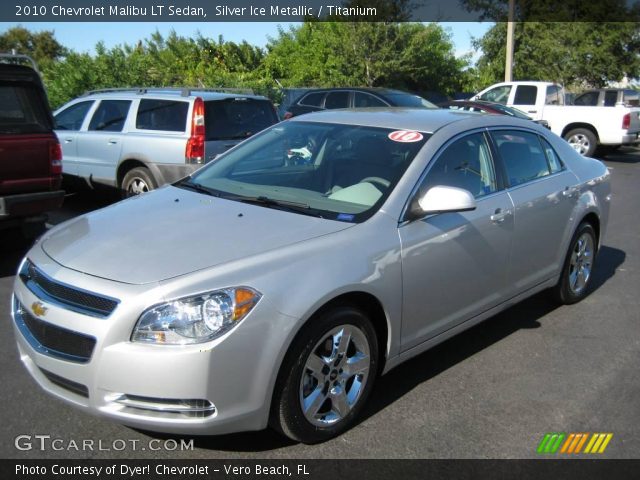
point(171, 232)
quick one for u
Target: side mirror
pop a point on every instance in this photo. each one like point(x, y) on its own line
point(442, 199)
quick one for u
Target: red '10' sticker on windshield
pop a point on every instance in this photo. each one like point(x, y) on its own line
point(405, 136)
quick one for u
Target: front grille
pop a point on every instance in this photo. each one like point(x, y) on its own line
point(70, 297)
point(67, 384)
point(52, 340)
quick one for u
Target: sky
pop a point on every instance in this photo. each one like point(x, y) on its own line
point(83, 36)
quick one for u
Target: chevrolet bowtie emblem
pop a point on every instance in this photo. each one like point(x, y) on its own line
point(39, 310)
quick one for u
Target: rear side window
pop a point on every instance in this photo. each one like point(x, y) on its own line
point(521, 155)
point(312, 99)
point(71, 118)
point(110, 116)
point(555, 164)
point(165, 115)
point(364, 100)
point(23, 109)
point(237, 118)
point(588, 99)
point(337, 100)
point(554, 95)
point(610, 98)
point(408, 100)
point(525, 95)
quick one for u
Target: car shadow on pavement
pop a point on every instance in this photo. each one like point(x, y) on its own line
point(425, 366)
point(629, 155)
point(13, 246)
point(524, 315)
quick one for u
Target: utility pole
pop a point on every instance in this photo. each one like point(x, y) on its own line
point(508, 74)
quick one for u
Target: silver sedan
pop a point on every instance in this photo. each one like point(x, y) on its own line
point(273, 286)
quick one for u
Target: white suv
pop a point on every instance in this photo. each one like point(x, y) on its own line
point(139, 139)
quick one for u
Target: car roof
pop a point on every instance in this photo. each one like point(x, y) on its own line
point(359, 89)
point(420, 119)
point(169, 94)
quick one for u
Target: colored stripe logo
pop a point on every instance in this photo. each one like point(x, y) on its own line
point(573, 443)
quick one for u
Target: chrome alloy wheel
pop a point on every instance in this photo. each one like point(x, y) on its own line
point(581, 262)
point(580, 143)
point(137, 186)
point(335, 375)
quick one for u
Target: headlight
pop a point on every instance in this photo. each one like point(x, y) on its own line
point(195, 319)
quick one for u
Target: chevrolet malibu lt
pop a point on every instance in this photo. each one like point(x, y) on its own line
point(272, 287)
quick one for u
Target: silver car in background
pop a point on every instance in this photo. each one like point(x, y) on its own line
point(138, 139)
point(272, 287)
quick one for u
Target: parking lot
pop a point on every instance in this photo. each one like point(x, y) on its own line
point(491, 392)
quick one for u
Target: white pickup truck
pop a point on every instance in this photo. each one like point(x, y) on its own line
point(584, 127)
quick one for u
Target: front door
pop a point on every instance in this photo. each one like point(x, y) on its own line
point(454, 265)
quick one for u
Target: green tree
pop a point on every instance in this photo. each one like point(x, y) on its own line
point(159, 61)
point(41, 46)
point(390, 54)
point(572, 53)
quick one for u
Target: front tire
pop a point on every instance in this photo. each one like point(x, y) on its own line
point(136, 181)
point(326, 376)
point(583, 141)
point(575, 280)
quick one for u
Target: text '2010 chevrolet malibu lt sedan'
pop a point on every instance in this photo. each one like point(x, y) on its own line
point(274, 285)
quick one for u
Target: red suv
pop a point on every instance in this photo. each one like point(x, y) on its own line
point(30, 154)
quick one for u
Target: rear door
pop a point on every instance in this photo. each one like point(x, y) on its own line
point(26, 131)
point(100, 145)
point(524, 98)
point(227, 122)
point(544, 193)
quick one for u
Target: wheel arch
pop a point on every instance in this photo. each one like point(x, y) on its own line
point(364, 301)
point(593, 219)
point(575, 125)
point(131, 163)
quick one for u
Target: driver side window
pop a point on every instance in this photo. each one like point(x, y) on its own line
point(466, 163)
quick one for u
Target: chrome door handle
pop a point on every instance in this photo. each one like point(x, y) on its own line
point(500, 215)
point(569, 192)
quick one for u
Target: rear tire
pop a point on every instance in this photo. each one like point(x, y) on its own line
point(326, 376)
point(583, 141)
point(136, 181)
point(577, 271)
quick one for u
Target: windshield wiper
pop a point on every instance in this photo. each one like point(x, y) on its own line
point(187, 183)
point(298, 207)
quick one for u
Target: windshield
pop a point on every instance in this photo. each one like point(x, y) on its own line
point(514, 112)
point(340, 172)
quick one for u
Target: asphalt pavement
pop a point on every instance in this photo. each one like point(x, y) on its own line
point(492, 392)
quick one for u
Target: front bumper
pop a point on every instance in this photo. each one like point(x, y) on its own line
point(217, 387)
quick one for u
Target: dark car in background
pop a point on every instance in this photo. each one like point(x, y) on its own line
point(353, 97)
point(30, 154)
point(494, 108)
point(608, 97)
